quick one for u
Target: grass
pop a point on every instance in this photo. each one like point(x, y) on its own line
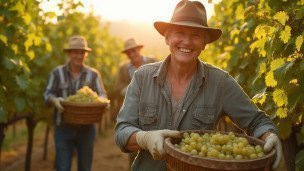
point(20, 137)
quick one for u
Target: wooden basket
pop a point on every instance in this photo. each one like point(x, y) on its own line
point(177, 160)
point(82, 113)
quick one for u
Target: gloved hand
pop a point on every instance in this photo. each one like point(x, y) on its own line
point(154, 141)
point(273, 141)
point(56, 102)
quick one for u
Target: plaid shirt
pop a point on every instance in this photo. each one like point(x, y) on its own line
point(62, 84)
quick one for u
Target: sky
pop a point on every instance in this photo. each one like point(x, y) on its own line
point(130, 10)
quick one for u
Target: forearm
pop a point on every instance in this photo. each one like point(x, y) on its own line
point(132, 143)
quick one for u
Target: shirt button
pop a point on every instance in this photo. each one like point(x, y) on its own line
point(184, 110)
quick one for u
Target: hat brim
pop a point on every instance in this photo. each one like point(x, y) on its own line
point(133, 47)
point(214, 33)
point(85, 49)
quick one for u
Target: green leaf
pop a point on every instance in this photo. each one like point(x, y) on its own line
point(9, 63)
point(2, 115)
point(21, 81)
point(284, 129)
point(20, 104)
point(300, 160)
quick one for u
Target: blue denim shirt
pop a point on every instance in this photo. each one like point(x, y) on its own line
point(213, 93)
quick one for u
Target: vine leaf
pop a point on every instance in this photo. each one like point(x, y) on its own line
point(20, 103)
point(284, 129)
point(280, 97)
point(21, 81)
point(281, 16)
point(277, 63)
point(285, 34)
point(269, 79)
point(299, 42)
point(300, 160)
point(282, 112)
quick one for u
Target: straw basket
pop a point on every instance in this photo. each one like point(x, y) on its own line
point(82, 113)
point(177, 160)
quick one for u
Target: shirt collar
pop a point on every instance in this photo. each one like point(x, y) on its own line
point(162, 71)
point(83, 69)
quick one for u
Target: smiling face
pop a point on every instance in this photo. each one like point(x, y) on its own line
point(77, 57)
point(185, 43)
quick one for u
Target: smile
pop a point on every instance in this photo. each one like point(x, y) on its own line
point(185, 50)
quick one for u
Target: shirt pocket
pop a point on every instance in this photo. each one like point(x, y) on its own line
point(148, 116)
point(203, 117)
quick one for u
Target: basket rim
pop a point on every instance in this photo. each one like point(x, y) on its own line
point(190, 158)
point(83, 104)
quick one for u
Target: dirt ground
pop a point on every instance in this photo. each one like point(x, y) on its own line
point(107, 157)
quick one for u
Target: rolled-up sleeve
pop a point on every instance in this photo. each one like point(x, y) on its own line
point(242, 111)
point(99, 87)
point(127, 119)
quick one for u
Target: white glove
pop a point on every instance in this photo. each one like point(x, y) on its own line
point(154, 141)
point(56, 103)
point(273, 141)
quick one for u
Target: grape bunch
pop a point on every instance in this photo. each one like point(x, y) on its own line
point(221, 146)
point(86, 95)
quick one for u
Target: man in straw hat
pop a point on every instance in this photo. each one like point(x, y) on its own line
point(184, 93)
point(126, 71)
point(64, 81)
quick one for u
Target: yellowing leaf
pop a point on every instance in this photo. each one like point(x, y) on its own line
point(269, 80)
point(282, 112)
point(262, 68)
point(27, 18)
point(285, 34)
point(48, 47)
point(3, 39)
point(15, 48)
point(282, 17)
point(37, 41)
point(259, 98)
point(293, 81)
point(31, 54)
point(279, 97)
point(277, 63)
point(299, 42)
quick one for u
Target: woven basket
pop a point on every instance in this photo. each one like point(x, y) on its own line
point(83, 113)
point(177, 160)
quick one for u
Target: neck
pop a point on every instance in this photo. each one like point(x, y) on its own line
point(181, 73)
point(75, 69)
point(137, 62)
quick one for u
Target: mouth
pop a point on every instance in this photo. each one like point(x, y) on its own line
point(184, 50)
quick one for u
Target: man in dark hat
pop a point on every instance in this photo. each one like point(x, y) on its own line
point(126, 71)
point(184, 93)
point(64, 81)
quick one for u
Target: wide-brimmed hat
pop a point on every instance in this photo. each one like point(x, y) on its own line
point(77, 42)
point(191, 14)
point(130, 44)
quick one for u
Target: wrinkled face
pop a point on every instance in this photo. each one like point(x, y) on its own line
point(133, 54)
point(77, 57)
point(185, 43)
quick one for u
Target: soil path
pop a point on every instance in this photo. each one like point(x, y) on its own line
point(107, 157)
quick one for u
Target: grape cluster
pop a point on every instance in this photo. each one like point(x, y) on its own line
point(86, 95)
point(217, 145)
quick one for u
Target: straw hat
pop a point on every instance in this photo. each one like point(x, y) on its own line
point(130, 44)
point(191, 14)
point(77, 42)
